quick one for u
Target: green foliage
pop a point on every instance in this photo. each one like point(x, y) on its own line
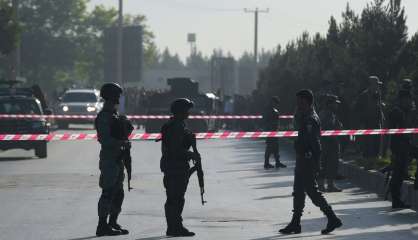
point(62, 41)
point(9, 29)
point(169, 61)
point(372, 43)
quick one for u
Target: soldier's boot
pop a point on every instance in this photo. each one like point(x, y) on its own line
point(180, 232)
point(294, 226)
point(321, 185)
point(268, 166)
point(113, 223)
point(331, 186)
point(280, 165)
point(333, 221)
point(103, 229)
point(399, 204)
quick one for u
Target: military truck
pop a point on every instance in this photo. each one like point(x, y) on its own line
point(159, 104)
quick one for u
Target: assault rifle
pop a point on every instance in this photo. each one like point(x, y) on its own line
point(197, 166)
point(121, 130)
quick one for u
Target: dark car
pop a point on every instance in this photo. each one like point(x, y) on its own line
point(18, 104)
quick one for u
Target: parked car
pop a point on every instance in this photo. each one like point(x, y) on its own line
point(22, 101)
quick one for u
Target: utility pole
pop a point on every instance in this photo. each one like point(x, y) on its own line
point(256, 11)
point(119, 75)
point(15, 56)
point(120, 45)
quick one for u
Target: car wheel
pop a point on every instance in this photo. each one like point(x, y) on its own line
point(41, 150)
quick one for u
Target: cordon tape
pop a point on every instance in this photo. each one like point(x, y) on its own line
point(208, 135)
point(144, 117)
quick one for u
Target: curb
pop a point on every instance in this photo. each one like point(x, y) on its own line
point(374, 181)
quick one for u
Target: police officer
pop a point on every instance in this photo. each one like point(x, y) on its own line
point(111, 165)
point(175, 166)
point(308, 151)
point(369, 108)
point(401, 116)
point(271, 124)
point(407, 84)
point(330, 145)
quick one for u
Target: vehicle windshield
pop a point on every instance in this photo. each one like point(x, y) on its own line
point(19, 107)
point(79, 97)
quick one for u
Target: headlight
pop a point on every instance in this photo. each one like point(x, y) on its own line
point(91, 109)
point(65, 109)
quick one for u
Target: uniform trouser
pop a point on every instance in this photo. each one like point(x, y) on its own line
point(305, 184)
point(176, 186)
point(272, 148)
point(111, 199)
point(400, 163)
point(329, 160)
point(371, 146)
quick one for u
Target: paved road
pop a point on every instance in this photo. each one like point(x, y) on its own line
point(55, 198)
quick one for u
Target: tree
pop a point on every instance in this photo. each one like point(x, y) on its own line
point(62, 42)
point(9, 29)
point(374, 43)
point(50, 39)
point(197, 61)
point(169, 61)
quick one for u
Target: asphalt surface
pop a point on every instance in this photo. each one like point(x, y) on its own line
point(56, 198)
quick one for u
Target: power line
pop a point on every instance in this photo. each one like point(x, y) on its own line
point(202, 8)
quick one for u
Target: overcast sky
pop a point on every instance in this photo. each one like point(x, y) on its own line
point(224, 24)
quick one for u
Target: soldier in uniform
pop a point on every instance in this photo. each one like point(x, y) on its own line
point(111, 163)
point(175, 166)
point(308, 153)
point(330, 145)
point(401, 116)
point(370, 110)
point(271, 124)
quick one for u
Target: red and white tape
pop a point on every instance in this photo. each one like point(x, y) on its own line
point(144, 117)
point(217, 135)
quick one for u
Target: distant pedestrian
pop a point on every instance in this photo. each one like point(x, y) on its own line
point(330, 145)
point(369, 115)
point(401, 116)
point(271, 124)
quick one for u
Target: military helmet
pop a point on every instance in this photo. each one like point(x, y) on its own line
point(181, 105)
point(306, 94)
point(332, 99)
point(111, 92)
point(406, 84)
point(375, 79)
